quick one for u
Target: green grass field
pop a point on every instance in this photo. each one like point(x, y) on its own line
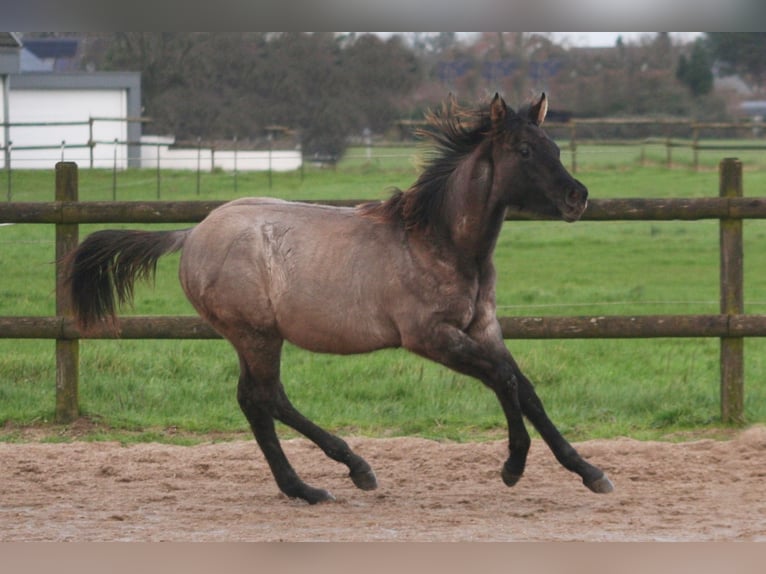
point(163, 390)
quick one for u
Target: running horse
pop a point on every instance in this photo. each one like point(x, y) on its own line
point(412, 271)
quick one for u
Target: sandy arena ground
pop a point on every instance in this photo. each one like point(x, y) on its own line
point(429, 491)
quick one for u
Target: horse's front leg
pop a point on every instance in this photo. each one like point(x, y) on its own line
point(518, 437)
point(492, 365)
point(532, 407)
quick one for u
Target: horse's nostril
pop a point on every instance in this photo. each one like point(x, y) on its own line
point(574, 197)
point(577, 195)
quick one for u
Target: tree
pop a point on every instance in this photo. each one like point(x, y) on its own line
point(696, 72)
point(218, 85)
point(742, 53)
point(380, 73)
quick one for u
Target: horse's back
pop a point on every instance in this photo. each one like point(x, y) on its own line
point(316, 275)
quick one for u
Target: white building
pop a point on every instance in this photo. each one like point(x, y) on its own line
point(9, 64)
point(81, 117)
point(75, 116)
point(49, 114)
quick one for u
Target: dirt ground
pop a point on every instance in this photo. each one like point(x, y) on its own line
point(429, 491)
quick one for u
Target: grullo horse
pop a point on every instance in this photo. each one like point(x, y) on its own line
point(413, 271)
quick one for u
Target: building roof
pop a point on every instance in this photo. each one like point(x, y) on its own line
point(52, 48)
point(754, 107)
point(50, 55)
point(10, 47)
point(9, 40)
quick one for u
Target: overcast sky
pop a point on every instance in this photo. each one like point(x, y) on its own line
point(594, 39)
point(610, 38)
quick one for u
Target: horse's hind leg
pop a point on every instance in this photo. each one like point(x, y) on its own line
point(258, 393)
point(257, 399)
point(262, 399)
point(334, 447)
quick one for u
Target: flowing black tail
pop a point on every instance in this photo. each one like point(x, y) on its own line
point(105, 267)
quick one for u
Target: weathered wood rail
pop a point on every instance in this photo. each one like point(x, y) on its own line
point(682, 209)
point(731, 325)
point(590, 327)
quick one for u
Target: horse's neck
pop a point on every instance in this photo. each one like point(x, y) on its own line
point(475, 216)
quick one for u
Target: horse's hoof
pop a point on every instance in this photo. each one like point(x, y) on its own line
point(509, 478)
point(317, 495)
point(364, 480)
point(601, 485)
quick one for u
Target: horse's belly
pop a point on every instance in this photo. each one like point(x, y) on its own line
point(343, 332)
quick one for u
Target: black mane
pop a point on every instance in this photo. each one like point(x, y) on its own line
point(455, 133)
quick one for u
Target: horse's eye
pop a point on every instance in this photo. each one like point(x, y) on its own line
point(525, 150)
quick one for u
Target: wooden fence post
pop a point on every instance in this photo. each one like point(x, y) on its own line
point(669, 152)
point(67, 350)
point(732, 297)
point(695, 147)
point(573, 147)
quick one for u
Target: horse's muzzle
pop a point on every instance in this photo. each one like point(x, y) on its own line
point(575, 201)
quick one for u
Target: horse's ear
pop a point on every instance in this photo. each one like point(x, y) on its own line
point(539, 110)
point(498, 111)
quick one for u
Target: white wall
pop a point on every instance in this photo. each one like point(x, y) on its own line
point(67, 105)
point(276, 160)
point(190, 158)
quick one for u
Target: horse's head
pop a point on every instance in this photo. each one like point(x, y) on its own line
point(528, 173)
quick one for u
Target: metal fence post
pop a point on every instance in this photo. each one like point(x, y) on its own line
point(9, 172)
point(114, 172)
point(732, 296)
point(67, 350)
point(91, 143)
point(236, 153)
point(159, 171)
point(199, 160)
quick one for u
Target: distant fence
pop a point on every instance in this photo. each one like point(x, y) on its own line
point(731, 325)
point(89, 141)
point(156, 154)
point(642, 133)
point(581, 131)
point(91, 145)
point(87, 145)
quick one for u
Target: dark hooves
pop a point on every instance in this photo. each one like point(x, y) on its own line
point(509, 478)
point(315, 495)
point(364, 480)
point(602, 485)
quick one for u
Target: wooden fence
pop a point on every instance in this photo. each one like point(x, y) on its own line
point(731, 325)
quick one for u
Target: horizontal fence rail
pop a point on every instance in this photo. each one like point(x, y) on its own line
point(195, 211)
point(603, 327)
point(731, 325)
